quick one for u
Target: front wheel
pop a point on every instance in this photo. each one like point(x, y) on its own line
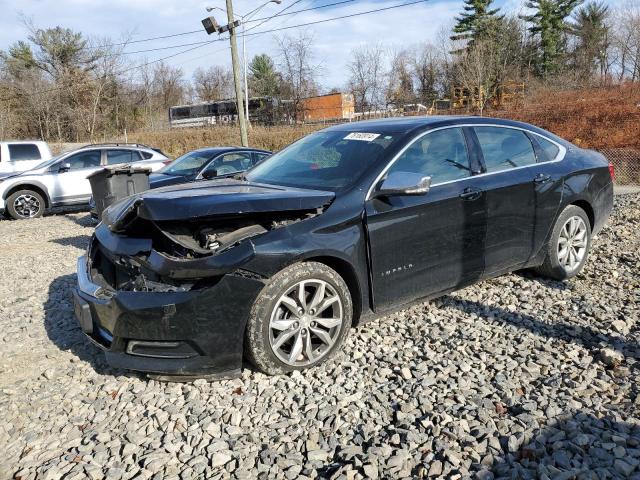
point(568, 247)
point(300, 319)
point(25, 204)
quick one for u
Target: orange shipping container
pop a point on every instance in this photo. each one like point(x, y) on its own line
point(332, 106)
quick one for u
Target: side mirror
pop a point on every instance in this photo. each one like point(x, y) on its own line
point(209, 174)
point(65, 167)
point(403, 184)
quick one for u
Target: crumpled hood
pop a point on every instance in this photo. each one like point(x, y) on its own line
point(216, 197)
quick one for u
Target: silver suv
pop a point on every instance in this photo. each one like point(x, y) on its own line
point(62, 181)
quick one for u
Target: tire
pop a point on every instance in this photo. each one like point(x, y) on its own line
point(556, 265)
point(25, 204)
point(274, 330)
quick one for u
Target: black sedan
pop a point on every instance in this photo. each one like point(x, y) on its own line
point(207, 163)
point(344, 225)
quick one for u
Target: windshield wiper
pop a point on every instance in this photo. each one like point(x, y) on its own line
point(457, 164)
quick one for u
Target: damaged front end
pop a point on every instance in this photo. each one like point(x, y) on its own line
point(203, 236)
point(163, 287)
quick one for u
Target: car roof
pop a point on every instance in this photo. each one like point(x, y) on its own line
point(413, 123)
point(216, 150)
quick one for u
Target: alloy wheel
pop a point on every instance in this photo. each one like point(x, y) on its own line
point(305, 322)
point(27, 205)
point(572, 243)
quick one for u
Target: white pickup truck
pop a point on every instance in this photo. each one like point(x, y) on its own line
point(20, 155)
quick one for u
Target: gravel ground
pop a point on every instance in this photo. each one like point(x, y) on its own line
point(516, 377)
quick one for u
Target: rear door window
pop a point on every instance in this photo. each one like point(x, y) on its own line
point(505, 148)
point(441, 155)
point(258, 157)
point(23, 151)
point(115, 157)
point(82, 160)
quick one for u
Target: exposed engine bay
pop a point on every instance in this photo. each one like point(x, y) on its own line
point(198, 238)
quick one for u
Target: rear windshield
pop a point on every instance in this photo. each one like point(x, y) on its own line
point(23, 151)
point(330, 160)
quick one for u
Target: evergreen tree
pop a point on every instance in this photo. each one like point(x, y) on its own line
point(548, 21)
point(264, 79)
point(592, 33)
point(477, 21)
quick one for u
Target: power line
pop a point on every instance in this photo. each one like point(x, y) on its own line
point(336, 18)
point(300, 11)
point(281, 12)
point(147, 39)
point(204, 42)
point(191, 32)
point(121, 72)
point(247, 34)
point(201, 44)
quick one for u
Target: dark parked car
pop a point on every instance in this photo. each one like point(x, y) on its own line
point(341, 226)
point(207, 163)
point(202, 164)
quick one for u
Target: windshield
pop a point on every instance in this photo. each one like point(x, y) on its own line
point(49, 162)
point(189, 163)
point(329, 160)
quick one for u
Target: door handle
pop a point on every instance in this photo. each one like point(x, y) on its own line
point(470, 194)
point(542, 178)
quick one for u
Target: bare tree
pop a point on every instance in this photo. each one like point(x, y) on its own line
point(626, 40)
point(400, 84)
point(168, 85)
point(367, 77)
point(215, 83)
point(298, 70)
point(428, 69)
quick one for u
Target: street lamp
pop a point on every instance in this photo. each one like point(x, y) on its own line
point(243, 20)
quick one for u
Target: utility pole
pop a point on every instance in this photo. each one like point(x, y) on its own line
point(211, 26)
point(236, 75)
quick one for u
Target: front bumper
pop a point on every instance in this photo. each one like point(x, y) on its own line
point(196, 332)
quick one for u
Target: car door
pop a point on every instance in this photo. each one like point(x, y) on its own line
point(508, 157)
point(547, 176)
point(422, 245)
point(70, 184)
point(228, 163)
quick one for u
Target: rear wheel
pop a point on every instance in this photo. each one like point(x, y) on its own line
point(299, 320)
point(25, 204)
point(568, 247)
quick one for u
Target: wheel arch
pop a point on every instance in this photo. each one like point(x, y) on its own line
point(588, 209)
point(348, 273)
point(30, 186)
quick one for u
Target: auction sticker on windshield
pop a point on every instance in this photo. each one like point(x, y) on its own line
point(364, 137)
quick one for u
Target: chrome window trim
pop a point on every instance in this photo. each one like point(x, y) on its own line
point(562, 151)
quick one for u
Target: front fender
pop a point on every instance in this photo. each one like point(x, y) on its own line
point(9, 186)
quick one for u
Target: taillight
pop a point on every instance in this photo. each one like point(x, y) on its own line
point(612, 172)
point(167, 162)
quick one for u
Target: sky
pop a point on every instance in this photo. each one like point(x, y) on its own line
point(333, 41)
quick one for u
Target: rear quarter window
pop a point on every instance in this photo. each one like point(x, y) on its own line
point(550, 149)
point(23, 151)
